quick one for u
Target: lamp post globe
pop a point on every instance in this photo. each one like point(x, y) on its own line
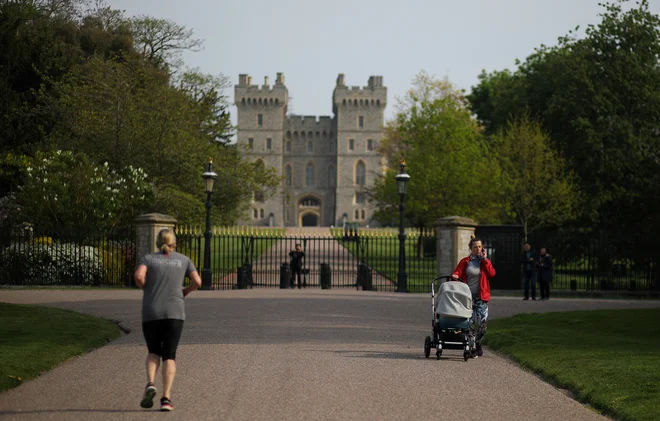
point(402, 180)
point(209, 178)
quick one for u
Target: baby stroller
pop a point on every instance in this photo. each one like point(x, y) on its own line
point(452, 309)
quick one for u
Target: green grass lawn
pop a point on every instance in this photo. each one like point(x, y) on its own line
point(382, 254)
point(609, 359)
point(35, 339)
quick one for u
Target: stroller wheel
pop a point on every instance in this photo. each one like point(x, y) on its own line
point(466, 356)
point(427, 346)
point(438, 353)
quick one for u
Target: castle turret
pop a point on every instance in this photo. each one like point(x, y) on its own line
point(261, 114)
point(360, 115)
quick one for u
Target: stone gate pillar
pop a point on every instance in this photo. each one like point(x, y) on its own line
point(453, 234)
point(147, 227)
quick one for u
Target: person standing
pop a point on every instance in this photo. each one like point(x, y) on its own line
point(297, 263)
point(528, 261)
point(477, 270)
point(545, 273)
point(160, 275)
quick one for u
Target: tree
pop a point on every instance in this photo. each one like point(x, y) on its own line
point(598, 98)
point(452, 170)
point(537, 188)
point(162, 41)
point(65, 192)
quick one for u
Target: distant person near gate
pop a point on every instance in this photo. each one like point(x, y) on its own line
point(297, 263)
point(545, 273)
point(528, 261)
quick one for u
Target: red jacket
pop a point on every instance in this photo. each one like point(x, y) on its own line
point(487, 272)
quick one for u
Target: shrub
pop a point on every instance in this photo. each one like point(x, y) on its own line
point(54, 264)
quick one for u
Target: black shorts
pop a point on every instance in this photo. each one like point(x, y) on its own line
point(163, 337)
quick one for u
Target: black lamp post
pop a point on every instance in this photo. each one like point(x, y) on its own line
point(402, 279)
point(209, 177)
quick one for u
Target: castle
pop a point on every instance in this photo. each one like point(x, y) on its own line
point(326, 163)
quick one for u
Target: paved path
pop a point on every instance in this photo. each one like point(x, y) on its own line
point(270, 354)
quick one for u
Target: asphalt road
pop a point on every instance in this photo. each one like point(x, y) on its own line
point(273, 354)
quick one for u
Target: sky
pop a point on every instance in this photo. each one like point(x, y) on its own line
point(312, 41)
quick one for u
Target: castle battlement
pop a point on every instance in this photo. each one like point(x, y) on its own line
point(308, 122)
point(374, 94)
point(246, 93)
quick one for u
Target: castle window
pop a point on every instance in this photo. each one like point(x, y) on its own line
point(259, 101)
point(309, 174)
point(372, 102)
point(310, 147)
point(269, 143)
point(250, 143)
point(277, 101)
point(288, 215)
point(302, 135)
point(288, 134)
point(360, 198)
point(243, 101)
point(351, 144)
point(370, 144)
point(361, 122)
point(255, 213)
point(261, 213)
point(378, 103)
point(249, 101)
point(331, 147)
point(260, 120)
point(288, 175)
point(288, 146)
point(360, 173)
point(325, 134)
point(357, 214)
point(363, 214)
point(295, 134)
point(343, 102)
point(270, 101)
point(310, 135)
point(331, 176)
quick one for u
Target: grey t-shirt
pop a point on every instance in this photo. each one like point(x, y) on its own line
point(163, 295)
point(473, 273)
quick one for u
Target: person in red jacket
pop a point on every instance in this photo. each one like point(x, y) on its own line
point(477, 270)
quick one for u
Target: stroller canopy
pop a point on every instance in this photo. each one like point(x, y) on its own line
point(454, 299)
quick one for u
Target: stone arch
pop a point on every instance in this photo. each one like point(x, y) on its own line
point(243, 101)
point(343, 102)
point(288, 134)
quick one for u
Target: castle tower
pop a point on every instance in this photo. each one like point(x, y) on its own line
point(360, 115)
point(261, 114)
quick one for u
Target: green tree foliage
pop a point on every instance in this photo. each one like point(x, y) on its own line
point(451, 165)
point(75, 195)
point(116, 91)
point(537, 188)
point(598, 97)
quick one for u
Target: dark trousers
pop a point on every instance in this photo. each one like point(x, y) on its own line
point(529, 278)
point(545, 288)
point(296, 273)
